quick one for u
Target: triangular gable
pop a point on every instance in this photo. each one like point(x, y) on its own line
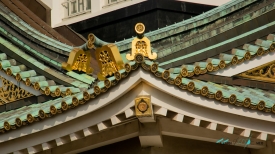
point(9, 92)
point(264, 73)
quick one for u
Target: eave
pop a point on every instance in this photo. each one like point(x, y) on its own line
point(102, 112)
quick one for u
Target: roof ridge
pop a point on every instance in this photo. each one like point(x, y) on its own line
point(204, 35)
point(237, 56)
point(190, 23)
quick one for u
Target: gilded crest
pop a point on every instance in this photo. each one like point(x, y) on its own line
point(109, 60)
point(143, 106)
point(141, 45)
point(79, 60)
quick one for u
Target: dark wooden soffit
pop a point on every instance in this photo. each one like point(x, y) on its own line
point(71, 35)
point(29, 17)
point(236, 81)
point(39, 8)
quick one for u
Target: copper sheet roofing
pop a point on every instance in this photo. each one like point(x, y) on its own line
point(29, 17)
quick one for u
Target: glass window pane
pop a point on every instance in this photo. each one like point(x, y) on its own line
point(80, 5)
point(88, 3)
point(73, 7)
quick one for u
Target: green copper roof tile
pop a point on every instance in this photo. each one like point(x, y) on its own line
point(173, 76)
point(198, 84)
point(259, 98)
point(148, 62)
point(27, 74)
point(188, 24)
point(68, 100)
point(31, 31)
point(175, 70)
point(90, 91)
point(121, 71)
point(185, 81)
point(218, 44)
point(40, 65)
point(3, 56)
point(20, 53)
point(132, 63)
point(79, 84)
point(263, 43)
point(161, 70)
point(254, 98)
point(79, 96)
point(238, 52)
point(58, 106)
point(82, 77)
point(112, 78)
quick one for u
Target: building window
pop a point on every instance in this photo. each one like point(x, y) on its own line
point(111, 2)
point(76, 7)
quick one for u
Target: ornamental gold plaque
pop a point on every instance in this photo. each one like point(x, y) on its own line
point(109, 60)
point(80, 57)
point(141, 45)
point(10, 92)
point(264, 72)
point(143, 106)
point(79, 60)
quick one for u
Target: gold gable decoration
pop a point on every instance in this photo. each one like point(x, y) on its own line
point(109, 60)
point(141, 46)
point(80, 58)
point(10, 92)
point(265, 73)
point(107, 56)
point(143, 106)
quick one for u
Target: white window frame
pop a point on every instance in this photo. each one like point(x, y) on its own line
point(68, 8)
point(109, 2)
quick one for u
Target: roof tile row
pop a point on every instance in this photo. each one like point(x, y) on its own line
point(239, 96)
point(237, 56)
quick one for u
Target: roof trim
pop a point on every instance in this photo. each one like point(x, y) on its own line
point(219, 44)
point(94, 110)
point(245, 66)
point(50, 73)
point(225, 95)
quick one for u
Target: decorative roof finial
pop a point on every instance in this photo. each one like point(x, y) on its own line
point(140, 29)
point(141, 46)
